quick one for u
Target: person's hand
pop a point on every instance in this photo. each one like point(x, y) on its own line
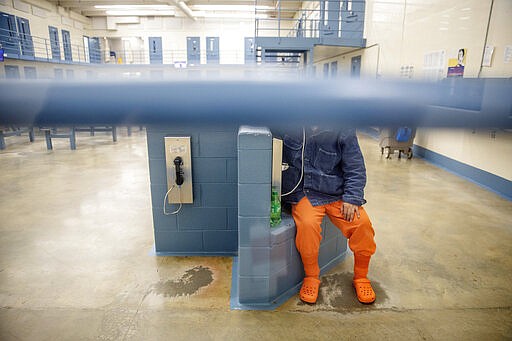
point(348, 210)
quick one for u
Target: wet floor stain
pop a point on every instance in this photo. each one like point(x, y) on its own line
point(337, 294)
point(193, 280)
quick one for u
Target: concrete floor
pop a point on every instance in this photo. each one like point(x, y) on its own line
point(75, 257)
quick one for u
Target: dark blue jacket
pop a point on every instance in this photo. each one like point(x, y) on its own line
point(333, 167)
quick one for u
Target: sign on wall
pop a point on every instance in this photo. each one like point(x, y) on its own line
point(456, 65)
point(434, 65)
point(507, 55)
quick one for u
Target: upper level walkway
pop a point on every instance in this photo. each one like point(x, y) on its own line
point(302, 25)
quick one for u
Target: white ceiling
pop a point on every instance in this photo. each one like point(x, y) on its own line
point(243, 8)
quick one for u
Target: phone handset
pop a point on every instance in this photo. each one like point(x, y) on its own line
point(178, 163)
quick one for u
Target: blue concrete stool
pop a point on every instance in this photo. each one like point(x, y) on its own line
point(268, 269)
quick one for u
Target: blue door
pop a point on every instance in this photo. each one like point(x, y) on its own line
point(12, 72)
point(30, 72)
point(250, 51)
point(59, 73)
point(212, 50)
point(155, 50)
point(27, 47)
point(330, 18)
point(193, 51)
point(54, 42)
point(334, 69)
point(66, 44)
point(94, 50)
point(9, 35)
point(355, 67)
point(352, 17)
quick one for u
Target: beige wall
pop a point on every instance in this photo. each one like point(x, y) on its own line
point(487, 149)
point(173, 30)
point(401, 33)
point(500, 35)
point(174, 33)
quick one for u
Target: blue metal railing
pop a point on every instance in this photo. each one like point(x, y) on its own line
point(452, 103)
point(311, 19)
point(172, 56)
point(24, 46)
point(29, 47)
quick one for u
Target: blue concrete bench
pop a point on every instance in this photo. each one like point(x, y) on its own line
point(52, 133)
point(94, 129)
point(15, 131)
point(268, 269)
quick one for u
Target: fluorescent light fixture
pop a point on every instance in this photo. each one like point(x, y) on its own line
point(231, 8)
point(143, 13)
point(134, 7)
point(203, 14)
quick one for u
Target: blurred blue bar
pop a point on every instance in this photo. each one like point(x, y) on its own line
point(449, 103)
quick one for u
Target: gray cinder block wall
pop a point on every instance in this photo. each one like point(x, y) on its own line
point(269, 265)
point(209, 226)
point(231, 212)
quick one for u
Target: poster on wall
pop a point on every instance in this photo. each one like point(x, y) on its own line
point(456, 65)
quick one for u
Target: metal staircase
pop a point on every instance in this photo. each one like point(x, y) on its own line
point(286, 31)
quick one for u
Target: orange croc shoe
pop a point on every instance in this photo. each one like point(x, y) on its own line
point(309, 290)
point(364, 290)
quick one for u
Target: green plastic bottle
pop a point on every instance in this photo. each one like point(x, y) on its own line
point(275, 208)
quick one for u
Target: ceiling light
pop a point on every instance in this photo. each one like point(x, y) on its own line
point(134, 7)
point(143, 13)
point(231, 15)
point(233, 8)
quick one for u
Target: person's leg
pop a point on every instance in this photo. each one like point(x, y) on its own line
point(360, 235)
point(307, 220)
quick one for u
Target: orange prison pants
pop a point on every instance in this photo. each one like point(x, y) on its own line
point(359, 233)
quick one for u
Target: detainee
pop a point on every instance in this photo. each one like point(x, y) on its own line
point(326, 175)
